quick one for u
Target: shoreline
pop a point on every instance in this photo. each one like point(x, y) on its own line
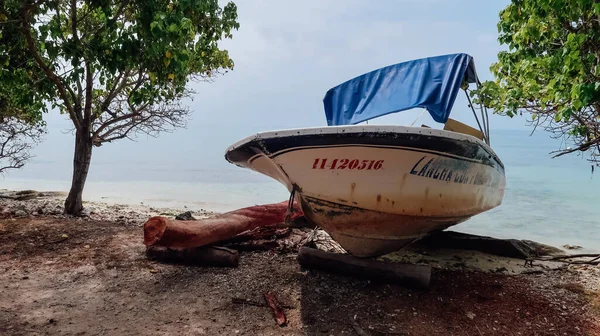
point(51, 203)
point(105, 208)
point(214, 196)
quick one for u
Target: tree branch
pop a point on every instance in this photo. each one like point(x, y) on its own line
point(74, 20)
point(147, 119)
point(113, 121)
point(79, 93)
point(582, 147)
point(14, 144)
point(89, 77)
point(76, 98)
point(53, 77)
point(112, 95)
point(37, 3)
point(114, 18)
point(127, 127)
point(117, 86)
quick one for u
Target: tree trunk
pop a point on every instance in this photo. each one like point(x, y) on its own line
point(81, 165)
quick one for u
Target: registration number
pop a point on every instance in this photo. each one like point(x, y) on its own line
point(353, 164)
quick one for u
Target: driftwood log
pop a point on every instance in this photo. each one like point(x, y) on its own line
point(409, 275)
point(512, 248)
point(197, 256)
point(165, 232)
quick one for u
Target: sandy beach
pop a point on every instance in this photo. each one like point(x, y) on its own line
point(90, 276)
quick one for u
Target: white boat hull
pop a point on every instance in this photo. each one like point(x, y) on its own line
point(375, 189)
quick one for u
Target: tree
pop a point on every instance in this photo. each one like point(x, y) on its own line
point(121, 67)
point(21, 98)
point(551, 70)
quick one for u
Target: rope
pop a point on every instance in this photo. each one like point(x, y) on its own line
point(418, 117)
point(290, 207)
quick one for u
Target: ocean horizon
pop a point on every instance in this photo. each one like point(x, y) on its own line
point(546, 200)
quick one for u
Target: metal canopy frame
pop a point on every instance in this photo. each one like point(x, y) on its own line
point(484, 125)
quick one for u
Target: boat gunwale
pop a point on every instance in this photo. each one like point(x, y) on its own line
point(356, 129)
point(360, 129)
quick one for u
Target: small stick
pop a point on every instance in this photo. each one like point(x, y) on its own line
point(247, 302)
point(56, 241)
point(277, 311)
point(357, 328)
point(250, 302)
point(594, 261)
point(597, 258)
point(583, 255)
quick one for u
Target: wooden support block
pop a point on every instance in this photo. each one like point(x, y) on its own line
point(197, 256)
point(409, 275)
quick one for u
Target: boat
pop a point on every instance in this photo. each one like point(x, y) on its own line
point(377, 188)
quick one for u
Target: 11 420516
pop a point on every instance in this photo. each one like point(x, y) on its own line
point(352, 164)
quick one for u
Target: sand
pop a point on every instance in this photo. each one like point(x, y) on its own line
point(89, 276)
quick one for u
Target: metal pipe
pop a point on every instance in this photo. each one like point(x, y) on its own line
point(477, 119)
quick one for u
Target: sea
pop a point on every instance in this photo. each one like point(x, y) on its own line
point(549, 200)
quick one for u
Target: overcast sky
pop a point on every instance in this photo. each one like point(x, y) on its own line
point(287, 54)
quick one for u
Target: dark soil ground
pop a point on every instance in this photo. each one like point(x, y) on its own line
point(86, 277)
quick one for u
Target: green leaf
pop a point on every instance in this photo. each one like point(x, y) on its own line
point(162, 41)
point(549, 65)
point(557, 117)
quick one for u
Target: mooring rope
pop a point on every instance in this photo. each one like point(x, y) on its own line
point(290, 207)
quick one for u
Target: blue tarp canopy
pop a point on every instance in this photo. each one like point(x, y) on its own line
point(431, 83)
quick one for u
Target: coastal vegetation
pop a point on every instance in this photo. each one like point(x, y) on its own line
point(116, 68)
point(550, 70)
point(21, 99)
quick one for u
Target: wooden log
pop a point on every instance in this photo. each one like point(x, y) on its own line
point(409, 275)
point(197, 256)
point(161, 231)
point(512, 248)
